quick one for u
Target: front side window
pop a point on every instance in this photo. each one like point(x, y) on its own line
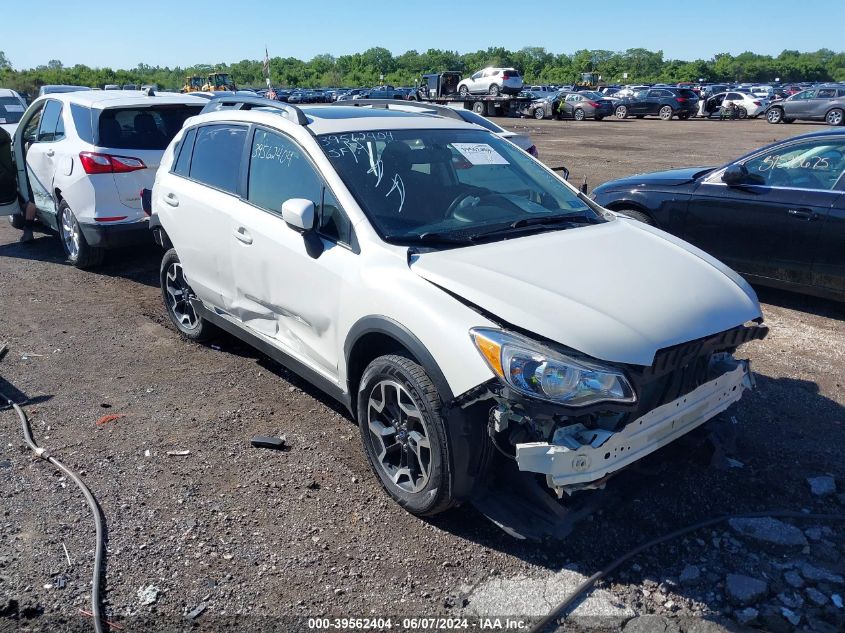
point(815, 164)
point(425, 185)
point(216, 160)
point(807, 94)
point(279, 170)
point(30, 132)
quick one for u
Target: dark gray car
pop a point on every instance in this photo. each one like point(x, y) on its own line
point(823, 103)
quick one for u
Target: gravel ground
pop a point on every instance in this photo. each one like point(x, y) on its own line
point(232, 536)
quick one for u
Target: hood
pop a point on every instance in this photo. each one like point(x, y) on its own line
point(668, 178)
point(618, 291)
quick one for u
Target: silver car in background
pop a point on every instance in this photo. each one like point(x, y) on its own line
point(492, 81)
point(823, 103)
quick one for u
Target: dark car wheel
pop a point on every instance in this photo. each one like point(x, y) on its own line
point(77, 249)
point(683, 116)
point(539, 113)
point(17, 221)
point(835, 117)
point(774, 115)
point(478, 107)
point(464, 91)
point(640, 216)
point(404, 434)
point(666, 113)
point(621, 112)
point(177, 295)
point(578, 115)
point(493, 90)
point(741, 113)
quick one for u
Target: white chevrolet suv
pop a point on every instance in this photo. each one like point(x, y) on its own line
point(83, 158)
point(459, 298)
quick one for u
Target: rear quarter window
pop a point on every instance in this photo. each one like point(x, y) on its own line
point(183, 153)
point(142, 127)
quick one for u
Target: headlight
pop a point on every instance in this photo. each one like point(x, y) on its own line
point(535, 370)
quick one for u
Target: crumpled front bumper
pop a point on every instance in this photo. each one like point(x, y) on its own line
point(602, 453)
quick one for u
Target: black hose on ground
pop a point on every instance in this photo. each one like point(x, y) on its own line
point(92, 502)
point(558, 613)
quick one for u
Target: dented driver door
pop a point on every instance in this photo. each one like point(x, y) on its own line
point(287, 284)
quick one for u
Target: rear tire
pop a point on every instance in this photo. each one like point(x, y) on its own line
point(176, 294)
point(463, 91)
point(640, 216)
point(404, 434)
point(493, 90)
point(478, 107)
point(578, 115)
point(741, 113)
point(835, 117)
point(621, 112)
point(666, 113)
point(17, 221)
point(77, 249)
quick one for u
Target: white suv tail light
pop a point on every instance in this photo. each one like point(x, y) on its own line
point(94, 163)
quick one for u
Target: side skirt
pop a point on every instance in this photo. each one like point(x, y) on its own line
point(276, 354)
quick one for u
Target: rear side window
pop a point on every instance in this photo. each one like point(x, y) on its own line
point(827, 93)
point(186, 147)
point(216, 160)
point(142, 128)
point(50, 120)
point(82, 122)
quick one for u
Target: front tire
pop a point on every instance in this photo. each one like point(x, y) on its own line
point(774, 115)
point(177, 294)
point(78, 251)
point(539, 113)
point(835, 117)
point(404, 434)
point(635, 214)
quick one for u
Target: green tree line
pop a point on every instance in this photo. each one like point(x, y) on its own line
point(536, 64)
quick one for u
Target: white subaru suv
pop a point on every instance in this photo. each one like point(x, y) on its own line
point(84, 157)
point(459, 298)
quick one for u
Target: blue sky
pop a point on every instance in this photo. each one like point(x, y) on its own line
point(185, 32)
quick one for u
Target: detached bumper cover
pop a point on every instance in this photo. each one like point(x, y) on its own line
point(608, 452)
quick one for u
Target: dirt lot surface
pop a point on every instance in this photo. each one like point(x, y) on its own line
point(232, 536)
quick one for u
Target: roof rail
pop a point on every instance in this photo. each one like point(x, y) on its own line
point(243, 102)
point(386, 103)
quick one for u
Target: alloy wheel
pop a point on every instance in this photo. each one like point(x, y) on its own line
point(399, 436)
point(666, 113)
point(621, 112)
point(774, 115)
point(179, 295)
point(70, 233)
point(834, 117)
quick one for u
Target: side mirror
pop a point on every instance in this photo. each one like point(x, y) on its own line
point(734, 175)
point(298, 214)
point(563, 170)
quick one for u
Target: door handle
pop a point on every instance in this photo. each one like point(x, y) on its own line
point(801, 214)
point(171, 199)
point(243, 235)
point(50, 152)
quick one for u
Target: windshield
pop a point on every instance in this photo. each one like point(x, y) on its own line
point(11, 109)
point(450, 185)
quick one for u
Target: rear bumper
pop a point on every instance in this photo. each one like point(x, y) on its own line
point(117, 235)
point(592, 456)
